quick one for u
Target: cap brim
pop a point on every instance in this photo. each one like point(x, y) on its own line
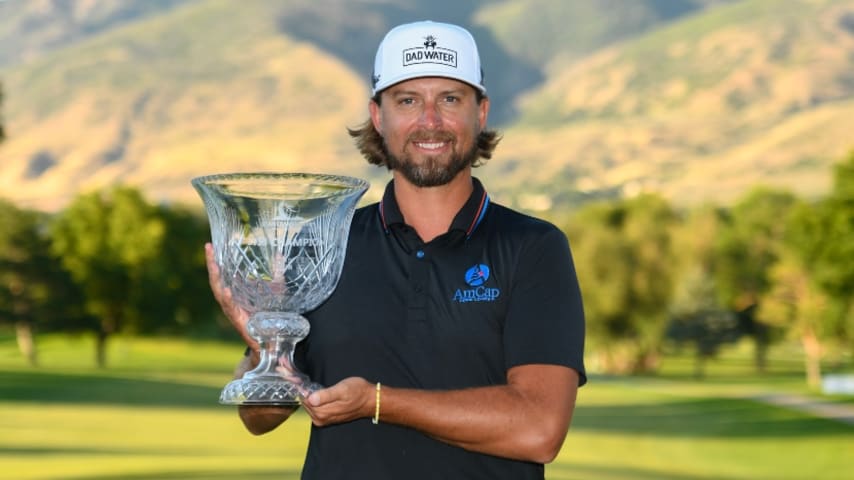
point(425, 74)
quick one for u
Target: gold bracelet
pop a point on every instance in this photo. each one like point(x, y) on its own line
point(376, 418)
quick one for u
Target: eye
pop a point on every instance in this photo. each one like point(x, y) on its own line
point(452, 99)
point(406, 101)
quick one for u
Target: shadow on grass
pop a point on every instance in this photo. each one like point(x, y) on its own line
point(704, 417)
point(582, 471)
point(197, 474)
point(78, 388)
point(162, 452)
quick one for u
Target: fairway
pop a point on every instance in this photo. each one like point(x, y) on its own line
point(152, 414)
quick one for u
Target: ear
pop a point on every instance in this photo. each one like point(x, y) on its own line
point(376, 116)
point(483, 112)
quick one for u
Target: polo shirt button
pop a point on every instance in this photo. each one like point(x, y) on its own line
point(420, 254)
point(418, 288)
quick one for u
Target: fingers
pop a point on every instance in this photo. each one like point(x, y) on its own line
point(343, 402)
point(236, 315)
point(213, 273)
point(220, 293)
point(344, 392)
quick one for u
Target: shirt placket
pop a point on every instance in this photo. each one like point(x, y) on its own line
point(419, 292)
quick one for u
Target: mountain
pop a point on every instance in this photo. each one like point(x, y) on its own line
point(697, 99)
point(31, 27)
point(699, 109)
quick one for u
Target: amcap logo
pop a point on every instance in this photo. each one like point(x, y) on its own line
point(430, 52)
point(476, 277)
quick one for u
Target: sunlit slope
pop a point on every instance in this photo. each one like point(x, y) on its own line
point(545, 30)
point(612, 99)
point(205, 89)
point(699, 110)
point(29, 28)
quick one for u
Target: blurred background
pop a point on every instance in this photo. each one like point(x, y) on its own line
point(699, 154)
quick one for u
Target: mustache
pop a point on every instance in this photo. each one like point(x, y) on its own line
point(428, 137)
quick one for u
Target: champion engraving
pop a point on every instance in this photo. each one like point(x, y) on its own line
point(430, 52)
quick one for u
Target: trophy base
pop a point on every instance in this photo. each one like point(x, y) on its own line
point(266, 391)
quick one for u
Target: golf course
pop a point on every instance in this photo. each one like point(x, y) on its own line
point(152, 413)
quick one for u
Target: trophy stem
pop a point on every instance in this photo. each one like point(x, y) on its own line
point(276, 380)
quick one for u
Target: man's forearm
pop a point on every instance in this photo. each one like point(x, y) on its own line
point(512, 421)
point(525, 419)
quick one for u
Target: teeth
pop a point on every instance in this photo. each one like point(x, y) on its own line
point(431, 146)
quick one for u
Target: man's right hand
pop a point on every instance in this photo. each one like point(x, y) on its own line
point(236, 315)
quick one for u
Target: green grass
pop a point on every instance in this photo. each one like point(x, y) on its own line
point(152, 414)
point(650, 430)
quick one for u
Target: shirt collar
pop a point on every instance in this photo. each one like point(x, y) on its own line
point(466, 220)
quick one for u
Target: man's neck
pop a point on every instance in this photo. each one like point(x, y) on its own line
point(430, 210)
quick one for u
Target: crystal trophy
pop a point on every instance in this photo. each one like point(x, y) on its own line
point(279, 241)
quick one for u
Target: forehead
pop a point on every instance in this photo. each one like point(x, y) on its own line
point(430, 85)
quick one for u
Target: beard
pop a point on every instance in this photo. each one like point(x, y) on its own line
point(433, 172)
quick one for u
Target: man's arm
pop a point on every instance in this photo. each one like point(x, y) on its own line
point(526, 419)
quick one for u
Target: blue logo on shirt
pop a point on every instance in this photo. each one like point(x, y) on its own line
point(476, 277)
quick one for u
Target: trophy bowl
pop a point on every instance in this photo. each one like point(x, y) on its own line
point(279, 240)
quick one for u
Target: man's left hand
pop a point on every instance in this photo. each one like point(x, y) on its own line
point(349, 399)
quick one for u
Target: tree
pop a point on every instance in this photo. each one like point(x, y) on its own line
point(35, 293)
point(178, 297)
point(623, 252)
point(813, 294)
point(834, 265)
point(825, 236)
point(796, 304)
point(750, 245)
point(698, 318)
point(21, 292)
point(110, 241)
point(747, 248)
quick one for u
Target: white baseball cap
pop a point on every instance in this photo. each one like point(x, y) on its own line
point(427, 49)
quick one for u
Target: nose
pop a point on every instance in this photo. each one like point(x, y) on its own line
point(431, 118)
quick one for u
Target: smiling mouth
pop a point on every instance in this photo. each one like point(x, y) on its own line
point(430, 145)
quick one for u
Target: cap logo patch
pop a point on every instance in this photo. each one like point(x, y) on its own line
point(430, 52)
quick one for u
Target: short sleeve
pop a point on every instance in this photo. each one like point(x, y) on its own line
point(545, 317)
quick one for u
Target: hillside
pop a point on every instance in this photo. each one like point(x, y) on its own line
point(696, 99)
point(202, 89)
point(30, 28)
point(701, 109)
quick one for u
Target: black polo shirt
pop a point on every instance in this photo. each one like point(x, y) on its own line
point(497, 290)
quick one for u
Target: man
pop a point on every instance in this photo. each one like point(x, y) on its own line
point(452, 346)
